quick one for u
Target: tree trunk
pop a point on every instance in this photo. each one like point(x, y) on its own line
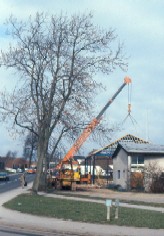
point(39, 181)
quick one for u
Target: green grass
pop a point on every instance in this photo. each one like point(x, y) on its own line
point(84, 211)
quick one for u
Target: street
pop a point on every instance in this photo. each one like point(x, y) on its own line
point(6, 231)
point(14, 182)
point(10, 232)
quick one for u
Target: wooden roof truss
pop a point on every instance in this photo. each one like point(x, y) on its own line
point(109, 149)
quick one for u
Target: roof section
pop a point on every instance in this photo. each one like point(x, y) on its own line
point(144, 148)
point(79, 158)
point(140, 148)
point(110, 148)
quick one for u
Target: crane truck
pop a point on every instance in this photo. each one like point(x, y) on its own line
point(69, 169)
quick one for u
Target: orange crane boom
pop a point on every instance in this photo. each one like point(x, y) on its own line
point(90, 127)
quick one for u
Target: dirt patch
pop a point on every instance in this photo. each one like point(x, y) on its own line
point(110, 194)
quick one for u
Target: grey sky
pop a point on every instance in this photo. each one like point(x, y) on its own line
point(140, 25)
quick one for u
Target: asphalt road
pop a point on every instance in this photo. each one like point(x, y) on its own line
point(14, 182)
point(6, 231)
point(9, 232)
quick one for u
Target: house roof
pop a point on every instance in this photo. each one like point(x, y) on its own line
point(128, 138)
point(79, 158)
point(139, 148)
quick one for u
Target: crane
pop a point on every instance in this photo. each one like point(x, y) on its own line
point(90, 127)
point(69, 177)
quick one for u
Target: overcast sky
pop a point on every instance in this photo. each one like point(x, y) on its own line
point(140, 25)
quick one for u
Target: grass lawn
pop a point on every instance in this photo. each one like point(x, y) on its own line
point(84, 211)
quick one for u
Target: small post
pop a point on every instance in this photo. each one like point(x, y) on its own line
point(108, 205)
point(116, 211)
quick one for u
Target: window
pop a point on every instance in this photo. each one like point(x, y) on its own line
point(137, 160)
point(118, 174)
point(134, 160)
point(124, 174)
point(140, 160)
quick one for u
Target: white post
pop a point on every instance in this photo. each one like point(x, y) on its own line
point(108, 213)
point(108, 205)
point(116, 205)
point(116, 213)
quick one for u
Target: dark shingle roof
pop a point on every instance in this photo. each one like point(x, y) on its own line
point(140, 148)
point(143, 147)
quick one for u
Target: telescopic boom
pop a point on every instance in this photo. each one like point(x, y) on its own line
point(88, 130)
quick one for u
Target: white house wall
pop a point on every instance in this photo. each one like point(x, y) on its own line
point(120, 163)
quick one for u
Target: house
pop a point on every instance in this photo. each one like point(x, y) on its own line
point(134, 157)
point(103, 156)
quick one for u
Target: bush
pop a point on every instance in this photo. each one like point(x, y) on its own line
point(157, 185)
point(137, 180)
point(153, 178)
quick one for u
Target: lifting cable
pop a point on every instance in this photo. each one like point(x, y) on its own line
point(129, 107)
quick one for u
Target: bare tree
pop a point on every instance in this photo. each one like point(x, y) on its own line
point(56, 59)
point(11, 154)
point(30, 147)
point(153, 181)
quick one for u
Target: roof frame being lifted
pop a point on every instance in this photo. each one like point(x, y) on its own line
point(128, 138)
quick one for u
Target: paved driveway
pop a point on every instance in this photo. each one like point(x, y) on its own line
point(109, 194)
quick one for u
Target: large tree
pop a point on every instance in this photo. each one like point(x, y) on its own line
point(57, 59)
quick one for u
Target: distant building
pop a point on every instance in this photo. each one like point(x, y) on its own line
point(12, 163)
